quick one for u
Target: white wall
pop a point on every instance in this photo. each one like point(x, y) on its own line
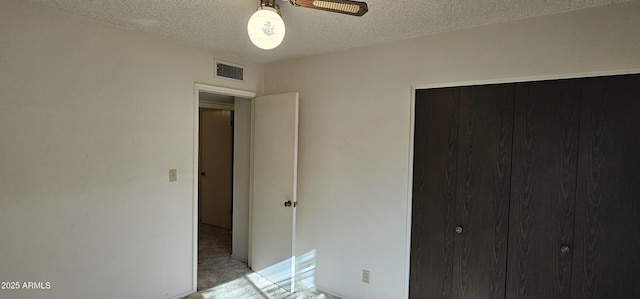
point(91, 119)
point(355, 126)
point(241, 177)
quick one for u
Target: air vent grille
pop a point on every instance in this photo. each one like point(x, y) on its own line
point(229, 71)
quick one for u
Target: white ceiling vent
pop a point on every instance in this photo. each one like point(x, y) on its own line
point(229, 70)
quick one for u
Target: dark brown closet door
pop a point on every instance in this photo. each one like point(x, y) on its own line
point(543, 183)
point(482, 199)
point(606, 261)
point(434, 186)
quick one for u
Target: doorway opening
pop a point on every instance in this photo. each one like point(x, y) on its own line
point(222, 150)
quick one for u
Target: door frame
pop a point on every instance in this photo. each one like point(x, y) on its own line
point(412, 124)
point(200, 87)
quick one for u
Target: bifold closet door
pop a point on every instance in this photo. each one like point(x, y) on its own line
point(483, 190)
point(527, 190)
point(606, 261)
point(543, 184)
point(462, 168)
point(434, 190)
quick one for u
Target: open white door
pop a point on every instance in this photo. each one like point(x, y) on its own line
point(274, 184)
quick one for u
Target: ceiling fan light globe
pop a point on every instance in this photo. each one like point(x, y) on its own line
point(266, 28)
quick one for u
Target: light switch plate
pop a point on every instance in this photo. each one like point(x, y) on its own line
point(173, 175)
point(365, 276)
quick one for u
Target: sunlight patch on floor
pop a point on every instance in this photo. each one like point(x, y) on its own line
point(253, 285)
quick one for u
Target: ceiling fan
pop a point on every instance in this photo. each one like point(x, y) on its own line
point(266, 28)
point(347, 7)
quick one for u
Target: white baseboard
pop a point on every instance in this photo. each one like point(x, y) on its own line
point(235, 257)
point(329, 292)
point(184, 294)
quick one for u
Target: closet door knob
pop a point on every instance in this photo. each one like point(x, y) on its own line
point(459, 229)
point(565, 249)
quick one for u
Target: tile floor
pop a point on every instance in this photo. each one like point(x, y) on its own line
point(221, 276)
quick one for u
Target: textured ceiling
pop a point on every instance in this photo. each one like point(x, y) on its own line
point(220, 25)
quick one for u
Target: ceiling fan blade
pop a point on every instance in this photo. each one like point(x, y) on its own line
point(347, 7)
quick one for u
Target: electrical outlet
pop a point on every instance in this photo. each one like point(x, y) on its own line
point(365, 276)
point(173, 175)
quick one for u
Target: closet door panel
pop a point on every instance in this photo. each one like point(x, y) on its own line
point(482, 197)
point(543, 182)
point(434, 187)
point(606, 262)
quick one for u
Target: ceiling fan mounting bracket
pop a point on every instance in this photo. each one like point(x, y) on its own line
point(271, 4)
